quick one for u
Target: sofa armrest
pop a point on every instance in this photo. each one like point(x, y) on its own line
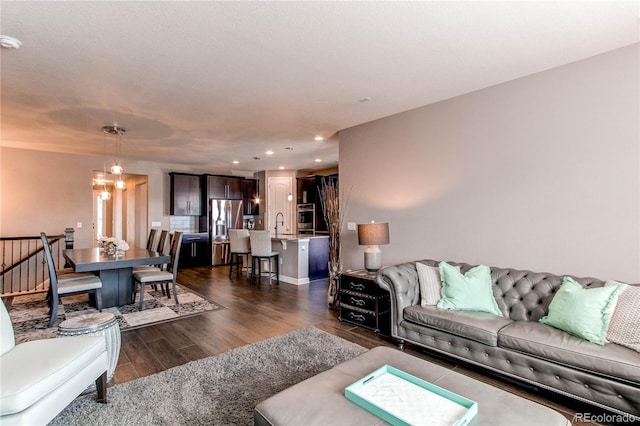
point(401, 281)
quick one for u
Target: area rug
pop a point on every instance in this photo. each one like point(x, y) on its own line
point(219, 390)
point(30, 314)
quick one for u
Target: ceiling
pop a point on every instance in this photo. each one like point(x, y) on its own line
point(205, 83)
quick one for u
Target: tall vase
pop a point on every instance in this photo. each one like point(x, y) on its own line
point(333, 300)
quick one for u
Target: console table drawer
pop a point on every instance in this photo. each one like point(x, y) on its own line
point(359, 316)
point(359, 300)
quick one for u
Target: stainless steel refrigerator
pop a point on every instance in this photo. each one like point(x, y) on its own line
point(225, 215)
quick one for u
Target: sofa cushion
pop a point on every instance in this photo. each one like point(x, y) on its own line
point(623, 326)
point(430, 284)
point(482, 327)
point(469, 292)
point(582, 312)
point(555, 345)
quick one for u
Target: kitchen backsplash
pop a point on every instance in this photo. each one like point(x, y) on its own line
point(184, 223)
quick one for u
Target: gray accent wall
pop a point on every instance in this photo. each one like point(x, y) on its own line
point(539, 173)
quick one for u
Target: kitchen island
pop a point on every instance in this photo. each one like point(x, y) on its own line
point(303, 258)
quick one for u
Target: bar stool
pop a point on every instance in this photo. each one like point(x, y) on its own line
point(261, 250)
point(239, 250)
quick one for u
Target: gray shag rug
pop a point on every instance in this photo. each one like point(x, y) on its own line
point(219, 390)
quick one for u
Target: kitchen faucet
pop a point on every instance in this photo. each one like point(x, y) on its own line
point(281, 222)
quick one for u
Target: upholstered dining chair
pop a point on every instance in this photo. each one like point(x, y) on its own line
point(41, 377)
point(239, 250)
point(261, 251)
point(163, 278)
point(68, 284)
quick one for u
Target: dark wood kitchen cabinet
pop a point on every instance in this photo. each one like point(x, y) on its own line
point(249, 193)
point(194, 251)
point(186, 194)
point(224, 187)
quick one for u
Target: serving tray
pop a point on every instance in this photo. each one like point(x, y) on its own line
point(402, 399)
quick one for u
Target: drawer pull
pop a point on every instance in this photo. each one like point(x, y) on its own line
point(356, 317)
point(356, 286)
point(357, 302)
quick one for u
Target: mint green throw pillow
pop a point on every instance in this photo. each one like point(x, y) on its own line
point(582, 312)
point(469, 292)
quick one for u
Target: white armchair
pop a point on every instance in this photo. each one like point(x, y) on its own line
point(38, 379)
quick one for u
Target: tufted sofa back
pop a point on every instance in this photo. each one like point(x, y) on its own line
point(523, 295)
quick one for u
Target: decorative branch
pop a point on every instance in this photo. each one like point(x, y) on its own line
point(333, 216)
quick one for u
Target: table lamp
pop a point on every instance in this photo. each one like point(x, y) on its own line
point(371, 235)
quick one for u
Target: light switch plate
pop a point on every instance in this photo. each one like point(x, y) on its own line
point(156, 223)
point(79, 225)
point(351, 226)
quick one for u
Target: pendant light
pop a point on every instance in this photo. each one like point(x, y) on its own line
point(104, 194)
point(116, 168)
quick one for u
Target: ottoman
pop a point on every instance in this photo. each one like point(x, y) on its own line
point(320, 400)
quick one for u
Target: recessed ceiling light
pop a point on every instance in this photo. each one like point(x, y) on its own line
point(318, 138)
point(10, 42)
point(235, 162)
point(281, 167)
point(269, 152)
point(318, 160)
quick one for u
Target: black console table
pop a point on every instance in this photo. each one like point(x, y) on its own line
point(363, 302)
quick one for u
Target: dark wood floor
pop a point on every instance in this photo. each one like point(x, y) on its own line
point(257, 312)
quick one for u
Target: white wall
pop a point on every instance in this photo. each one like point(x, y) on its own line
point(539, 173)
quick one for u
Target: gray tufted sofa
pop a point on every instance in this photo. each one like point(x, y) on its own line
point(516, 345)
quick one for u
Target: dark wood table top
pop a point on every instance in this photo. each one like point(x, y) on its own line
point(93, 259)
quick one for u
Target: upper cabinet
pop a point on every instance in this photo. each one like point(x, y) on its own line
point(224, 187)
point(186, 195)
point(249, 194)
point(307, 190)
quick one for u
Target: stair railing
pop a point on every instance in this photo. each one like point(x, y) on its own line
point(24, 269)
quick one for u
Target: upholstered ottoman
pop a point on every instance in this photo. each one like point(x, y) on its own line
point(320, 400)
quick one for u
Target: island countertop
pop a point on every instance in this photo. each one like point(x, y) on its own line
point(298, 236)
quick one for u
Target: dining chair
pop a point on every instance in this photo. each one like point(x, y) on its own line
point(239, 250)
point(41, 377)
point(160, 248)
point(151, 239)
point(163, 278)
point(69, 284)
point(261, 251)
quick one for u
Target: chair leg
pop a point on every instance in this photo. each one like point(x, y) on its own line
point(253, 269)
point(270, 260)
point(231, 265)
point(99, 299)
point(53, 309)
point(101, 387)
point(175, 293)
point(141, 296)
point(278, 269)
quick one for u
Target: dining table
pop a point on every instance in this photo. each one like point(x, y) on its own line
point(115, 271)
